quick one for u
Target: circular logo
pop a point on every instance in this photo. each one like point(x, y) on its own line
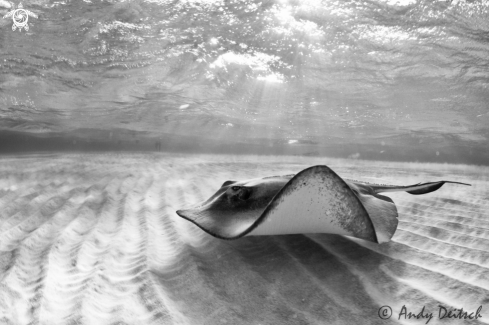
point(385, 312)
point(20, 16)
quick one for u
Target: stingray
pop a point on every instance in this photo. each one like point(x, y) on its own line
point(316, 200)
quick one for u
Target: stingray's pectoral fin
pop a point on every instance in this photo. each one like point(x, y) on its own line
point(383, 213)
point(217, 224)
point(316, 200)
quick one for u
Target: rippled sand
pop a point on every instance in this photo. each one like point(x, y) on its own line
point(94, 239)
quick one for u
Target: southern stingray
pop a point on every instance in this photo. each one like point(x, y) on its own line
point(316, 200)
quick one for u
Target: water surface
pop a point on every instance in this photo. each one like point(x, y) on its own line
point(383, 79)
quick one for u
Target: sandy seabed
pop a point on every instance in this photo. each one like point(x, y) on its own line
point(94, 239)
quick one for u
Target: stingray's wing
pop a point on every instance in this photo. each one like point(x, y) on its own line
point(415, 189)
point(316, 200)
point(381, 210)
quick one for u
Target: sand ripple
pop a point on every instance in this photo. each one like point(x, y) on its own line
point(94, 239)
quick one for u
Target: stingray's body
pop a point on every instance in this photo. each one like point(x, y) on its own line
point(316, 200)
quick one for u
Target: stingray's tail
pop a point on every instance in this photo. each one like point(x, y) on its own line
point(416, 189)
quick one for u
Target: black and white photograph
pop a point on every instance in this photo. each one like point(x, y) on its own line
point(244, 162)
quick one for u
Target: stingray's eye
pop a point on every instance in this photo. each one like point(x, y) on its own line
point(241, 192)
